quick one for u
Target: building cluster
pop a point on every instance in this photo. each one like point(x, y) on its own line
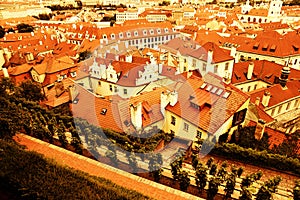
point(197, 72)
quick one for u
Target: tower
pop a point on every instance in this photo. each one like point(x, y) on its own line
point(275, 8)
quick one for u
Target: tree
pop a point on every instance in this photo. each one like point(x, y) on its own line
point(112, 156)
point(296, 190)
point(213, 169)
point(2, 32)
point(213, 187)
point(155, 166)
point(201, 177)
point(230, 185)
point(176, 166)
point(268, 188)
point(132, 162)
point(209, 162)
point(31, 91)
point(61, 134)
point(76, 143)
point(184, 180)
point(24, 28)
point(240, 171)
point(245, 194)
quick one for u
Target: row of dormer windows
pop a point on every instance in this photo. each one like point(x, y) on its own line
point(128, 34)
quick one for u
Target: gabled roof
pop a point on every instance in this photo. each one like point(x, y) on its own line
point(263, 70)
point(183, 46)
point(219, 55)
point(217, 102)
point(204, 36)
point(278, 94)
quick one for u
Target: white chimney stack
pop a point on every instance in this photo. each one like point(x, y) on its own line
point(136, 115)
point(233, 52)
point(257, 101)
point(5, 72)
point(266, 99)
point(209, 57)
point(173, 98)
point(128, 58)
point(250, 70)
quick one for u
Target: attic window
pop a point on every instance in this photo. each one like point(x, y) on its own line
point(112, 36)
point(296, 47)
point(209, 88)
point(104, 36)
point(195, 106)
point(136, 33)
point(226, 95)
point(145, 32)
point(272, 48)
point(166, 30)
point(151, 32)
point(126, 123)
point(75, 101)
point(256, 45)
point(121, 35)
point(103, 111)
point(128, 34)
point(265, 47)
point(214, 90)
point(203, 85)
point(158, 31)
point(219, 92)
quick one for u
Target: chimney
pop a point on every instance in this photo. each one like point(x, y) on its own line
point(233, 52)
point(260, 129)
point(32, 33)
point(160, 68)
point(250, 70)
point(266, 99)
point(209, 57)
point(136, 115)
point(257, 100)
point(5, 72)
point(73, 92)
point(41, 42)
point(173, 96)
point(284, 76)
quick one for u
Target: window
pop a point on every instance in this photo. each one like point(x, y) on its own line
point(226, 66)
point(112, 36)
point(216, 69)
point(173, 120)
point(185, 127)
point(194, 63)
point(255, 86)
point(73, 74)
point(110, 88)
point(136, 33)
point(128, 34)
point(145, 32)
point(288, 105)
point(239, 117)
point(110, 75)
point(103, 111)
point(199, 134)
point(273, 111)
point(116, 89)
point(279, 109)
point(249, 88)
point(204, 67)
point(125, 91)
point(99, 83)
point(296, 103)
point(120, 35)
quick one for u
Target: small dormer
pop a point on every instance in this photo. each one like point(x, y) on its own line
point(158, 31)
point(151, 31)
point(104, 36)
point(113, 36)
point(128, 34)
point(145, 32)
point(121, 35)
point(136, 33)
point(166, 30)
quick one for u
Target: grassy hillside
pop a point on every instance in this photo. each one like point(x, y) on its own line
point(28, 175)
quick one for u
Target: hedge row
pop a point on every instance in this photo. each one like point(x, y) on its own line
point(29, 175)
point(261, 158)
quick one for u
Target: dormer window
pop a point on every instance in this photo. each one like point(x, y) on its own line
point(128, 34)
point(158, 31)
point(103, 111)
point(136, 33)
point(173, 29)
point(112, 36)
point(166, 30)
point(104, 36)
point(296, 47)
point(73, 74)
point(120, 35)
point(151, 32)
point(265, 47)
point(144, 32)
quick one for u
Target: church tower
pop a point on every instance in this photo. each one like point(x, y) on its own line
point(275, 8)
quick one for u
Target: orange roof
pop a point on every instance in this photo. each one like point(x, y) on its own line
point(204, 36)
point(263, 70)
point(278, 94)
point(213, 99)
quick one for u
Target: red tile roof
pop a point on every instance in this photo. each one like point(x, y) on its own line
point(278, 94)
point(263, 70)
point(212, 106)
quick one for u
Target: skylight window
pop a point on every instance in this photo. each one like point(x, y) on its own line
point(219, 92)
point(226, 95)
point(203, 85)
point(214, 90)
point(209, 88)
point(103, 111)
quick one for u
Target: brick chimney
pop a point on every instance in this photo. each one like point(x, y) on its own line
point(266, 99)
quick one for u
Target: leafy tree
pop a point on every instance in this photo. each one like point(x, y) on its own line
point(240, 171)
point(176, 167)
point(84, 55)
point(213, 169)
point(112, 155)
point(296, 190)
point(230, 185)
point(268, 188)
point(133, 162)
point(195, 160)
point(213, 187)
point(2, 32)
point(245, 194)
point(6, 87)
point(61, 134)
point(209, 162)
point(155, 166)
point(201, 177)
point(288, 146)
point(184, 180)
point(76, 143)
point(24, 28)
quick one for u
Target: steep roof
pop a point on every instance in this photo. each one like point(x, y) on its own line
point(216, 102)
point(263, 70)
point(278, 94)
